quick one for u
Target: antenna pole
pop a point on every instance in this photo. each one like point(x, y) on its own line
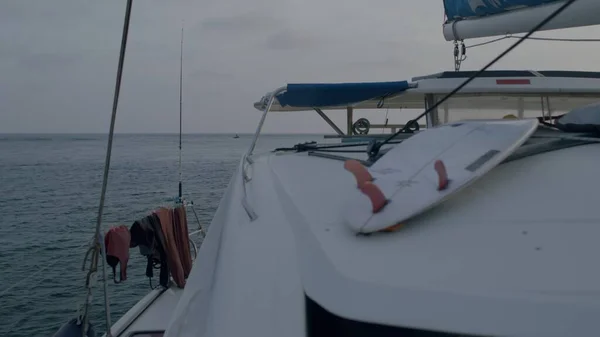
point(180, 110)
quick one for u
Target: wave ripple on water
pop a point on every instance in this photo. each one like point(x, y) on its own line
point(49, 190)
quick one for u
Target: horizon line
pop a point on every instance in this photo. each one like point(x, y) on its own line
point(163, 133)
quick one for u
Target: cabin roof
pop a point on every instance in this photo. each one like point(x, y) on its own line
point(512, 73)
point(496, 89)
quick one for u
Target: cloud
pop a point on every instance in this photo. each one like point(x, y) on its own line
point(248, 23)
point(291, 40)
point(48, 61)
point(202, 74)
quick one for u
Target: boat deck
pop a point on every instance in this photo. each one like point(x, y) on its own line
point(484, 248)
point(155, 309)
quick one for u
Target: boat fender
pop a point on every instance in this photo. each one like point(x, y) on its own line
point(73, 329)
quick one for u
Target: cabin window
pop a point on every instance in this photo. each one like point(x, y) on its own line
point(322, 323)
point(493, 106)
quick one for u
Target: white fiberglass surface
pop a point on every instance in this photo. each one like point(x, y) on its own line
point(515, 249)
point(535, 196)
point(520, 241)
point(245, 281)
point(155, 317)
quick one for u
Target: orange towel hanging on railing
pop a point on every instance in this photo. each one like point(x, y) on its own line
point(175, 266)
point(182, 239)
point(173, 223)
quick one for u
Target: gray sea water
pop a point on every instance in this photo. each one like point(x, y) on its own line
point(49, 193)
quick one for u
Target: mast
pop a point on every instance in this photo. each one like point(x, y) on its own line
point(180, 110)
point(465, 20)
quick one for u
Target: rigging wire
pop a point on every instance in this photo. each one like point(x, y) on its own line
point(387, 111)
point(488, 42)
point(180, 199)
point(97, 246)
point(180, 111)
point(555, 39)
point(374, 149)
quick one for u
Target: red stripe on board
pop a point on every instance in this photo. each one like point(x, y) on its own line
point(514, 81)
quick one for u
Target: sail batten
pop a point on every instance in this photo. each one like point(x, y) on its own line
point(468, 19)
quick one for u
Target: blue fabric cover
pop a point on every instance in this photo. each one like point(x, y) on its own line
point(338, 94)
point(457, 9)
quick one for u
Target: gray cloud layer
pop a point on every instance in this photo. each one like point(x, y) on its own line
point(58, 59)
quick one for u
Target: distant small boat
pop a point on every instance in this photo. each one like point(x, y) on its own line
point(236, 136)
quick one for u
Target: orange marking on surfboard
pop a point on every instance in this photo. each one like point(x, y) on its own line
point(392, 228)
point(440, 168)
point(378, 200)
point(361, 174)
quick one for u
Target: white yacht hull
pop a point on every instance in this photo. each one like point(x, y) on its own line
point(151, 313)
point(497, 252)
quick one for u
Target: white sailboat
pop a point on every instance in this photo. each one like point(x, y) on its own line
point(513, 254)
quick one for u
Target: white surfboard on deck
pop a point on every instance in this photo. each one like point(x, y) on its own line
point(407, 178)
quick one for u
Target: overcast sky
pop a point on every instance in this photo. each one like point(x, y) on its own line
point(58, 59)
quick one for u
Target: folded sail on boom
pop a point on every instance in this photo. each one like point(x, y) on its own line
point(468, 19)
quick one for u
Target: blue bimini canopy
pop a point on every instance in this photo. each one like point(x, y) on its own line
point(338, 94)
point(461, 9)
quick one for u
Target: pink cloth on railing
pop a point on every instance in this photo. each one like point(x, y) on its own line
point(117, 241)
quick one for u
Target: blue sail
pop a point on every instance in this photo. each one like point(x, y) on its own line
point(462, 9)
